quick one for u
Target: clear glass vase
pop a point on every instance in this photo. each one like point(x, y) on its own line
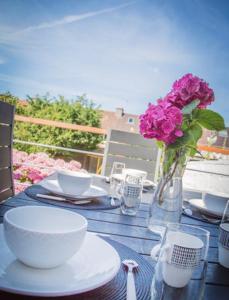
point(166, 205)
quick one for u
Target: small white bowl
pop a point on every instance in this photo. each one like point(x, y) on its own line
point(134, 172)
point(74, 183)
point(43, 237)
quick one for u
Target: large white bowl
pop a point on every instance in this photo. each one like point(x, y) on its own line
point(74, 183)
point(43, 237)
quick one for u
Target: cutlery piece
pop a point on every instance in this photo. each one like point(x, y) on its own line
point(188, 212)
point(211, 220)
point(147, 190)
point(131, 290)
point(112, 201)
point(50, 197)
point(107, 179)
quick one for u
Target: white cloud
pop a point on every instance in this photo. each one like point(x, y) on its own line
point(117, 66)
point(74, 18)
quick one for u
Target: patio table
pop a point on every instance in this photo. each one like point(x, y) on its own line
point(133, 232)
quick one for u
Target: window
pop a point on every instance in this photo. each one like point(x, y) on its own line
point(130, 121)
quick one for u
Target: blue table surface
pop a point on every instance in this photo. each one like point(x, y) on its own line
point(133, 232)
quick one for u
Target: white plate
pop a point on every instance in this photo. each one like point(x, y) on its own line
point(210, 206)
point(52, 185)
point(146, 183)
point(94, 265)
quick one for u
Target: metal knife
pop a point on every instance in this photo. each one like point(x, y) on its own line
point(57, 198)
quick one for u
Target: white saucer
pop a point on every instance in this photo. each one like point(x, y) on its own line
point(146, 182)
point(94, 265)
point(210, 206)
point(52, 185)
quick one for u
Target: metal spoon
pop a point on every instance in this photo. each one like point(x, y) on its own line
point(131, 290)
point(188, 211)
point(112, 201)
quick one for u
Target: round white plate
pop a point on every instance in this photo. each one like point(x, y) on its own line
point(52, 185)
point(210, 206)
point(85, 271)
point(146, 182)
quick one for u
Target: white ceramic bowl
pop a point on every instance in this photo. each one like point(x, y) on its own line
point(43, 237)
point(74, 183)
point(134, 172)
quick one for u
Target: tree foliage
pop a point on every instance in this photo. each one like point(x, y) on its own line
point(80, 111)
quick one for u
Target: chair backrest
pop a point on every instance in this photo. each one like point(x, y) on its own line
point(133, 150)
point(6, 138)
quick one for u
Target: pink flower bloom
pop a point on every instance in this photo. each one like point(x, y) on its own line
point(19, 157)
point(178, 132)
point(161, 121)
point(60, 163)
point(17, 175)
point(34, 176)
point(74, 165)
point(19, 188)
point(34, 167)
point(189, 88)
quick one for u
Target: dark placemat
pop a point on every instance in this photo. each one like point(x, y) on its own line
point(96, 203)
point(196, 214)
point(116, 288)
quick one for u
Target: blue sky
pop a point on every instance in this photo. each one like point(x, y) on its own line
point(120, 53)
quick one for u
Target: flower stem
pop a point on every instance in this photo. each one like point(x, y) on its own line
point(167, 179)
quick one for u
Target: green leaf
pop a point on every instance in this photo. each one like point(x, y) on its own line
point(160, 144)
point(209, 119)
point(192, 152)
point(190, 137)
point(180, 142)
point(185, 122)
point(195, 132)
point(187, 109)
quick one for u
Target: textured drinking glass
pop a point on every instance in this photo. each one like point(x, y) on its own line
point(131, 194)
point(181, 264)
point(115, 184)
point(224, 238)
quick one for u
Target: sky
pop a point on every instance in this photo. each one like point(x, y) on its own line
point(120, 53)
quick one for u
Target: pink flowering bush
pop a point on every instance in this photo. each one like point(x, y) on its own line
point(162, 121)
point(176, 121)
point(31, 168)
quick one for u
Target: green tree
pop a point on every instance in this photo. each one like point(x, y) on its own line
point(81, 111)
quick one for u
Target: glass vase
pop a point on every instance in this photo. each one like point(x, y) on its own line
point(166, 205)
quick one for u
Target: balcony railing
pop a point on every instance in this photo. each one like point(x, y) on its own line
point(89, 154)
point(98, 156)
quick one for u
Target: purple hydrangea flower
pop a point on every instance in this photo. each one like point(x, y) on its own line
point(161, 121)
point(189, 88)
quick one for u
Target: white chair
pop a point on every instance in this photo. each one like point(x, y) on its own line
point(133, 150)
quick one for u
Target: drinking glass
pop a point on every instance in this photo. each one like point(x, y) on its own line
point(181, 263)
point(115, 182)
point(131, 194)
point(224, 238)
